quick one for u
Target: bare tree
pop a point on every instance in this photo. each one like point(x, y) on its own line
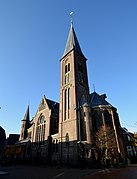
point(105, 142)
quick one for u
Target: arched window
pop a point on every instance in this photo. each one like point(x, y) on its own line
point(80, 73)
point(68, 98)
point(40, 129)
point(67, 102)
point(97, 121)
point(107, 118)
point(67, 138)
point(67, 73)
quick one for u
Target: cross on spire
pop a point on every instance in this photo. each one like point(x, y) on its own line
point(71, 17)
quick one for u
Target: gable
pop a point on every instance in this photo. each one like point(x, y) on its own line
point(43, 105)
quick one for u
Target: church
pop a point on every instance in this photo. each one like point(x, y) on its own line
point(82, 127)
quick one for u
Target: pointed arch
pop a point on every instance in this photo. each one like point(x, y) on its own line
point(107, 118)
point(67, 137)
point(40, 129)
point(97, 120)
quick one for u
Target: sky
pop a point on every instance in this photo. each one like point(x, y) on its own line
point(33, 36)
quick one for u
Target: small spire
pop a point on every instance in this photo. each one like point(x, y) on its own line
point(26, 116)
point(94, 87)
point(71, 17)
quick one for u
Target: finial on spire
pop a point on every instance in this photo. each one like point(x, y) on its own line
point(71, 17)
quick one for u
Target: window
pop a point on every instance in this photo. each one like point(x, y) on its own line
point(42, 119)
point(80, 73)
point(107, 118)
point(97, 121)
point(68, 77)
point(129, 138)
point(65, 99)
point(66, 70)
point(80, 68)
point(67, 138)
point(80, 77)
point(67, 73)
point(67, 102)
point(40, 129)
point(68, 98)
point(68, 67)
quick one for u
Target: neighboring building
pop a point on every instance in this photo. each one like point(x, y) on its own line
point(10, 150)
point(2, 136)
point(66, 132)
point(12, 139)
point(135, 140)
point(130, 144)
point(2, 140)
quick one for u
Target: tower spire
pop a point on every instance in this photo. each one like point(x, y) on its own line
point(72, 41)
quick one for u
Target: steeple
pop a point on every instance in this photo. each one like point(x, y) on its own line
point(26, 116)
point(74, 91)
point(72, 42)
point(25, 125)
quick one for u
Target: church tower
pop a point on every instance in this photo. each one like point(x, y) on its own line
point(74, 93)
point(25, 125)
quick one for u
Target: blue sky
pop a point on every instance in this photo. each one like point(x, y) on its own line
point(33, 35)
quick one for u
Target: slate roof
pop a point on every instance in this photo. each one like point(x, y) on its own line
point(54, 106)
point(72, 43)
point(96, 100)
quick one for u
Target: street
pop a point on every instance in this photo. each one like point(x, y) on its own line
point(40, 172)
point(34, 172)
point(121, 173)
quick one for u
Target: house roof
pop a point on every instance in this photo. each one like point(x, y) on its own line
point(72, 43)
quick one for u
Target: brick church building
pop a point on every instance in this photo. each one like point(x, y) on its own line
point(82, 127)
